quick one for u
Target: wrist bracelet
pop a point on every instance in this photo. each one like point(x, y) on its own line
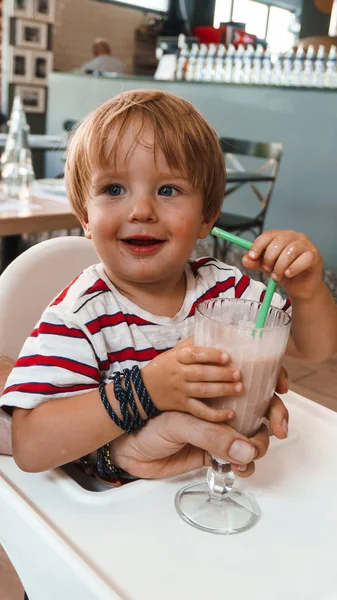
point(149, 408)
point(131, 400)
point(125, 398)
point(105, 468)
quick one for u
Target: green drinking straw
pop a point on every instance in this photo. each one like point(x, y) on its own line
point(270, 290)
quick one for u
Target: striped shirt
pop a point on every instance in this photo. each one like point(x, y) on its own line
point(91, 330)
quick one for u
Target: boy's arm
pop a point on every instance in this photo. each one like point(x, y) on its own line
point(314, 327)
point(292, 260)
point(62, 430)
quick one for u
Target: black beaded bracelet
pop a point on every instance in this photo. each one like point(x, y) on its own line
point(104, 465)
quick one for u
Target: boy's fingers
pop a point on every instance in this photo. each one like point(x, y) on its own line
point(211, 373)
point(301, 264)
point(208, 413)
point(287, 256)
point(189, 355)
point(261, 243)
point(207, 390)
point(278, 418)
point(248, 263)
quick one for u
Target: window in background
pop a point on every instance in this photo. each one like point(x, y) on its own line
point(222, 12)
point(279, 35)
point(155, 5)
point(276, 25)
point(254, 14)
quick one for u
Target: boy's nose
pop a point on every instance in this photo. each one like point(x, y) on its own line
point(143, 209)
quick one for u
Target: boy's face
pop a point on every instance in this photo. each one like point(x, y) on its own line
point(144, 219)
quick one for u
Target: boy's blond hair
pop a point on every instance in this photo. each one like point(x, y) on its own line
point(188, 143)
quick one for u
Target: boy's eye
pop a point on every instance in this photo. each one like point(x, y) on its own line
point(114, 190)
point(168, 190)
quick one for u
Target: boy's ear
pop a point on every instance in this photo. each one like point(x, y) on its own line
point(207, 225)
point(86, 229)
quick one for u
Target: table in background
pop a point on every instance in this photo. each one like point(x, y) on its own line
point(39, 215)
point(41, 142)
point(129, 543)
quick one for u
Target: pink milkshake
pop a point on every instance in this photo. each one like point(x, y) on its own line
point(229, 325)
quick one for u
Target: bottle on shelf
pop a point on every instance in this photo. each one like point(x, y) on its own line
point(257, 65)
point(297, 67)
point(219, 63)
point(287, 67)
point(277, 70)
point(330, 77)
point(266, 70)
point(182, 63)
point(16, 162)
point(229, 60)
point(319, 68)
point(248, 63)
point(237, 76)
point(191, 61)
point(308, 67)
point(209, 63)
point(200, 63)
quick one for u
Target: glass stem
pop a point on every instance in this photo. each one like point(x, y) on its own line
point(220, 479)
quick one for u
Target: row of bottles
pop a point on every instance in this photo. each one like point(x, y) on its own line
point(17, 171)
point(258, 66)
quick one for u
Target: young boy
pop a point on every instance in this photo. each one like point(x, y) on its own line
point(145, 175)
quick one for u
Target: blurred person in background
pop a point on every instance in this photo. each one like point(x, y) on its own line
point(103, 61)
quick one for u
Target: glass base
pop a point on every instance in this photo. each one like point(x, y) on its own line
point(236, 512)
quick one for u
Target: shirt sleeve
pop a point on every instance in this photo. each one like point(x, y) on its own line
point(57, 360)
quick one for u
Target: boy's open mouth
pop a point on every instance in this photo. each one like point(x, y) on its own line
point(142, 241)
point(142, 245)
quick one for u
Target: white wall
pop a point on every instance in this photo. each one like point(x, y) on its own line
point(79, 22)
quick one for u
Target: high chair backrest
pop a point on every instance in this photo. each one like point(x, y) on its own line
point(31, 282)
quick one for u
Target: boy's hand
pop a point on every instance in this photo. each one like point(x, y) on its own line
point(178, 377)
point(290, 258)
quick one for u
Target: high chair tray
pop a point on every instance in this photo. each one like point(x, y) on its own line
point(129, 543)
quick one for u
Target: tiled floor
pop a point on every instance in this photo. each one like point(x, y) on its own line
point(315, 381)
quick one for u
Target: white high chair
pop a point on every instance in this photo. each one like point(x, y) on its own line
point(32, 280)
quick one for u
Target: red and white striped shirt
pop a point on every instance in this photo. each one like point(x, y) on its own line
point(91, 330)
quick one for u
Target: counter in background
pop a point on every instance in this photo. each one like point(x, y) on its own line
point(304, 121)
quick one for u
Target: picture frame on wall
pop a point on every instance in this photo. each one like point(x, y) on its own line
point(31, 34)
point(42, 65)
point(33, 98)
point(22, 8)
point(44, 10)
point(20, 65)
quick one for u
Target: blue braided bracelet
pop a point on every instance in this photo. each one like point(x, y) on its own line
point(125, 398)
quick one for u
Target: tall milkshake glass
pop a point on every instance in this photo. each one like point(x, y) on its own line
point(229, 324)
